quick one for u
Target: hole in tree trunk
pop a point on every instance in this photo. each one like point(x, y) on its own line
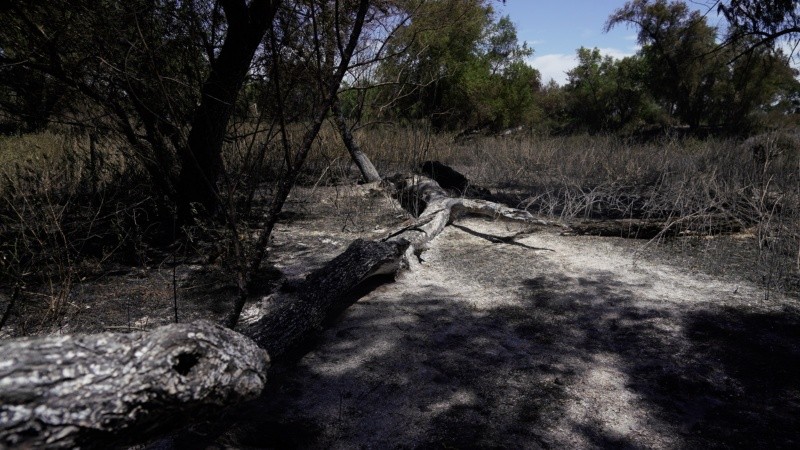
point(185, 362)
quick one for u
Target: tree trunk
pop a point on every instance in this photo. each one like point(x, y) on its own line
point(296, 316)
point(368, 171)
point(105, 389)
point(201, 162)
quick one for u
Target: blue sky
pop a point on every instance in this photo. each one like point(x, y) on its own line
point(556, 28)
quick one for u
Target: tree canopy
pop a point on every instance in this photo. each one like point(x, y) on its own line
point(458, 65)
point(765, 21)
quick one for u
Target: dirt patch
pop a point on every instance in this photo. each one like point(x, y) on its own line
point(558, 341)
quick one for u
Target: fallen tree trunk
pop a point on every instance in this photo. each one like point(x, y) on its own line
point(708, 224)
point(93, 390)
point(296, 315)
point(438, 209)
point(452, 180)
point(323, 294)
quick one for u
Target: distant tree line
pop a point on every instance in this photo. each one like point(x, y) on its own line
point(462, 67)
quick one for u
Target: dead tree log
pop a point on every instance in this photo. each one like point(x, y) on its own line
point(296, 315)
point(102, 389)
point(452, 180)
point(438, 209)
point(696, 224)
point(323, 294)
point(94, 390)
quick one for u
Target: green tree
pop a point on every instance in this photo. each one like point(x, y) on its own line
point(550, 111)
point(435, 52)
point(677, 45)
point(589, 88)
point(761, 22)
point(501, 85)
point(758, 81)
point(697, 81)
point(455, 65)
point(605, 94)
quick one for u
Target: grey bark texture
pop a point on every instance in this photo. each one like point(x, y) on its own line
point(296, 315)
point(104, 389)
point(437, 209)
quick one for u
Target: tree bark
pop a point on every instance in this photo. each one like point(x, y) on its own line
point(439, 209)
point(201, 162)
point(365, 166)
point(104, 389)
point(297, 315)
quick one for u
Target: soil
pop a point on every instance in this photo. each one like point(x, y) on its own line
point(550, 341)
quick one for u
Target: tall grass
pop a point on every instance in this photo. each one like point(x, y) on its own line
point(689, 187)
point(63, 213)
point(692, 187)
point(610, 177)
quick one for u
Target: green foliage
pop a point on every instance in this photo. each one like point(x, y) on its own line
point(605, 94)
point(692, 78)
point(459, 66)
point(138, 68)
point(766, 20)
point(757, 83)
point(677, 46)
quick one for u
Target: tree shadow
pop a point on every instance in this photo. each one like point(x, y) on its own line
point(427, 369)
point(497, 239)
point(741, 385)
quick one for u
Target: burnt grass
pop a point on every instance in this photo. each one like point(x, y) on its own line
point(728, 379)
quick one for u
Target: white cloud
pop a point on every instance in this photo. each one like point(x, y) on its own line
point(555, 66)
point(615, 53)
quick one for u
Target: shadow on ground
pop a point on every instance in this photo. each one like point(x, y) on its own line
point(576, 362)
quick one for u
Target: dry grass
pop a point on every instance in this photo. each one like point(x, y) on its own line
point(52, 233)
point(694, 187)
point(62, 217)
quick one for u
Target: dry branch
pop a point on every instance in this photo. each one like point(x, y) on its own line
point(439, 209)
